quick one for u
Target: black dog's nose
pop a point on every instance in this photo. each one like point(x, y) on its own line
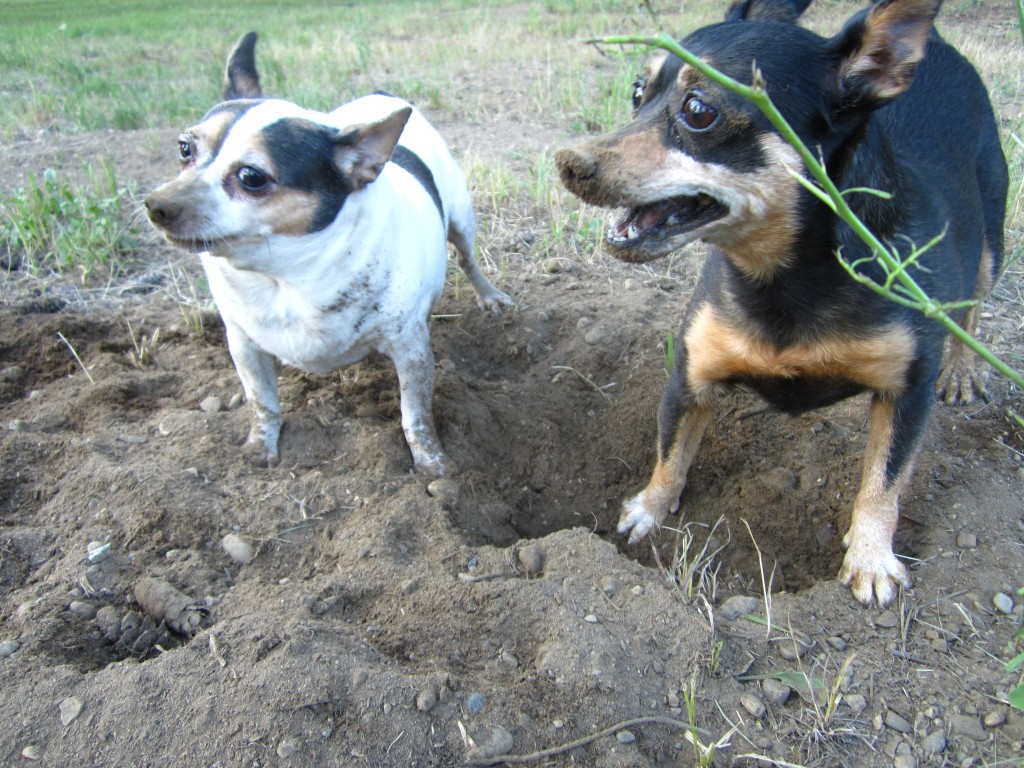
point(162, 212)
point(575, 165)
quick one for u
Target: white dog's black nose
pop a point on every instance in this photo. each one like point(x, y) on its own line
point(162, 211)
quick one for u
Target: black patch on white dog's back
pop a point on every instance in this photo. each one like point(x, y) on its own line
point(409, 161)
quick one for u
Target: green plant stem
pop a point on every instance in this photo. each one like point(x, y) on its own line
point(915, 297)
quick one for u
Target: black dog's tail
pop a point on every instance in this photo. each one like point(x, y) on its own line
point(766, 10)
point(241, 80)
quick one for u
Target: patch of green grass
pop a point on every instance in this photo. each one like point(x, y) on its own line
point(54, 227)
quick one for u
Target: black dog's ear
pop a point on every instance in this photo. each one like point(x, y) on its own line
point(877, 52)
point(766, 10)
point(241, 80)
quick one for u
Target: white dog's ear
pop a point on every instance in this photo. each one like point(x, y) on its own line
point(241, 80)
point(361, 152)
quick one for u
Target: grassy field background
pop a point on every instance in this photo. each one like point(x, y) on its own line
point(68, 68)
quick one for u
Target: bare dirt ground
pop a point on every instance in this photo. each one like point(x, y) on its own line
point(382, 620)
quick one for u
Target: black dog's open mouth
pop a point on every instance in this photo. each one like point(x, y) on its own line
point(664, 219)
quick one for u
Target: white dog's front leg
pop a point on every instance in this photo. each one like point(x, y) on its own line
point(414, 363)
point(258, 373)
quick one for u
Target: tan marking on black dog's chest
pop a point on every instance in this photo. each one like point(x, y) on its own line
point(718, 352)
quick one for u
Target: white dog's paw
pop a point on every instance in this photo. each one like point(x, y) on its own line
point(493, 300)
point(873, 575)
point(261, 446)
point(638, 520)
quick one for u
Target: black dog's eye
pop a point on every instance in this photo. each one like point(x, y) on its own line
point(697, 114)
point(638, 93)
point(251, 179)
point(185, 148)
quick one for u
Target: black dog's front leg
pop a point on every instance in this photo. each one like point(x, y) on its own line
point(682, 419)
point(897, 424)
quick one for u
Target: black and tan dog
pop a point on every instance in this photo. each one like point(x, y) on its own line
point(888, 105)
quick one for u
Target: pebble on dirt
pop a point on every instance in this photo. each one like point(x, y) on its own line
point(475, 703)
point(753, 705)
point(212, 404)
point(934, 743)
point(897, 722)
point(532, 558)
point(739, 605)
point(238, 549)
point(70, 708)
point(493, 742)
point(1003, 603)
point(9, 648)
point(426, 699)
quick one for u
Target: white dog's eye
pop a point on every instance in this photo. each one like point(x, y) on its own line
point(185, 148)
point(251, 179)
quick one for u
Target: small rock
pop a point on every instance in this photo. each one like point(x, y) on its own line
point(287, 748)
point(856, 702)
point(494, 742)
point(212, 404)
point(940, 644)
point(447, 365)
point(475, 703)
point(508, 659)
point(753, 705)
point(238, 549)
point(236, 401)
point(108, 619)
point(444, 490)
point(887, 619)
point(625, 737)
point(82, 608)
point(409, 586)
point(532, 558)
point(630, 284)
point(934, 743)
point(904, 761)
point(637, 590)
point(70, 708)
point(776, 691)
point(590, 618)
point(837, 643)
point(793, 648)
point(8, 648)
point(426, 699)
point(595, 336)
point(897, 722)
point(97, 551)
point(1003, 603)
point(966, 540)
point(739, 605)
point(966, 725)
point(994, 719)
point(32, 752)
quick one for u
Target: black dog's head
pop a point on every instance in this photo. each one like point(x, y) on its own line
point(700, 162)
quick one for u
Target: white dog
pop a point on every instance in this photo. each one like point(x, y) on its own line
point(323, 237)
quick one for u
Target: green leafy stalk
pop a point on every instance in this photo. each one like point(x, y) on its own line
point(908, 293)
